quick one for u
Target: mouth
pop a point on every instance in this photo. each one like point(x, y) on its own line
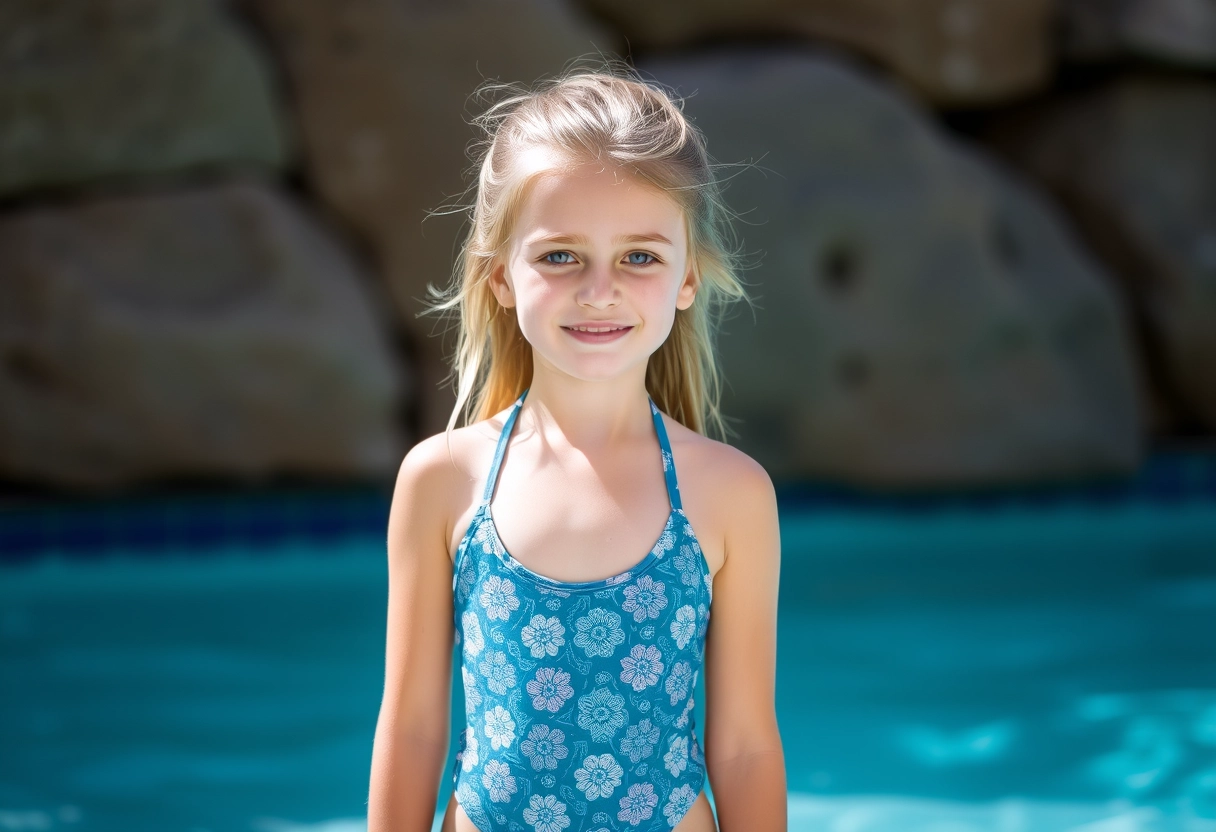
point(597, 334)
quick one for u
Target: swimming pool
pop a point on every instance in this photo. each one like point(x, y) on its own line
point(1021, 664)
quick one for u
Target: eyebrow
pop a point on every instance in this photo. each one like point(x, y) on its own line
point(579, 239)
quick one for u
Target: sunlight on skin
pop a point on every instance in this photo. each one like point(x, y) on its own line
point(593, 243)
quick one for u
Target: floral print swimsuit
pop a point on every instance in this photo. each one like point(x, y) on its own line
point(579, 696)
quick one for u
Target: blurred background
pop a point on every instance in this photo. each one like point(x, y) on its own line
point(981, 370)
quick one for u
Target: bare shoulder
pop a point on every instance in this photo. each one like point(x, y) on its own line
point(437, 478)
point(726, 492)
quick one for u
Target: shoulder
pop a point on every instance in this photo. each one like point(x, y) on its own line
point(450, 455)
point(727, 484)
point(436, 477)
point(736, 473)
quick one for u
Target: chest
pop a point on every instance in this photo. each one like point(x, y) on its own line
point(575, 531)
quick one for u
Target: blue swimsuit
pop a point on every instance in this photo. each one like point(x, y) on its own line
point(579, 696)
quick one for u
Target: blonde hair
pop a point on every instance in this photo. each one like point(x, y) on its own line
point(612, 115)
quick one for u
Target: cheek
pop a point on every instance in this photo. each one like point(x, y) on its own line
point(536, 299)
point(661, 296)
point(534, 291)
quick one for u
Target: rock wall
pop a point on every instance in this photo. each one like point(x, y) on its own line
point(1179, 32)
point(115, 89)
point(218, 331)
point(953, 52)
point(1135, 162)
point(219, 220)
point(924, 318)
point(382, 91)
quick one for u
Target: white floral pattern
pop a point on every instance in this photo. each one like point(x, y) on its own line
point(599, 632)
point(544, 748)
point(498, 598)
point(666, 542)
point(602, 713)
point(684, 625)
point(604, 672)
point(468, 757)
point(487, 537)
point(638, 804)
point(550, 689)
point(682, 722)
point(466, 576)
point(500, 727)
point(499, 673)
point(543, 636)
point(546, 813)
point(470, 801)
point(678, 803)
point(678, 681)
point(498, 780)
point(642, 667)
point(472, 696)
point(598, 776)
point(639, 740)
point(473, 641)
point(645, 599)
point(676, 758)
point(686, 562)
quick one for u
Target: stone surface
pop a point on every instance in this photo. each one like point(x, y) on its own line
point(116, 88)
point(1176, 31)
point(924, 318)
point(213, 332)
point(1135, 162)
point(382, 88)
point(955, 52)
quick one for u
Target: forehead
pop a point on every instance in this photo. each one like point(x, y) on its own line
point(592, 199)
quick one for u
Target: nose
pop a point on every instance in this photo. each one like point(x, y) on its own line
point(598, 288)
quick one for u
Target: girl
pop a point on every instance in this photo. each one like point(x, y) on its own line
point(587, 293)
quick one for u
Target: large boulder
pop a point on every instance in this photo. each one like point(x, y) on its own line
point(954, 52)
point(218, 332)
point(382, 88)
point(1172, 31)
point(119, 88)
point(1135, 162)
point(924, 318)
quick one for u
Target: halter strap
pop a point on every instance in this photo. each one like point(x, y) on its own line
point(669, 467)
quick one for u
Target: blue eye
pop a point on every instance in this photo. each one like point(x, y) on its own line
point(634, 262)
point(549, 258)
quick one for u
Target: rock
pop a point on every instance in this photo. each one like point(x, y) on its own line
point(118, 88)
point(924, 318)
point(954, 52)
point(385, 157)
point(1135, 162)
point(1174, 31)
point(214, 332)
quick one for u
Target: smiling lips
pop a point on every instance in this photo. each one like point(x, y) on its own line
point(596, 333)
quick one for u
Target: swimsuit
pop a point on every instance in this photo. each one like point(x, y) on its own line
point(579, 696)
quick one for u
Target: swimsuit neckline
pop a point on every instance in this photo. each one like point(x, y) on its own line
point(638, 568)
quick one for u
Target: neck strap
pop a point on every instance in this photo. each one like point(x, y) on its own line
point(669, 467)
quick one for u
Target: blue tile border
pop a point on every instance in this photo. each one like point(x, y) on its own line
point(194, 522)
point(198, 522)
point(1164, 477)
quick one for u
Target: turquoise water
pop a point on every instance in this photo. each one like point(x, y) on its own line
point(1038, 669)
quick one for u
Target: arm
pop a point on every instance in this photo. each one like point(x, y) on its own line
point(411, 740)
point(743, 752)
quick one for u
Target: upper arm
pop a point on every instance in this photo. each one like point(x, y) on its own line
point(420, 634)
point(741, 644)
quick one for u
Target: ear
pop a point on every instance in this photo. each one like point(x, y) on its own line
point(688, 289)
point(500, 285)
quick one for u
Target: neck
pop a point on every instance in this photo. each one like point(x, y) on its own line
point(590, 415)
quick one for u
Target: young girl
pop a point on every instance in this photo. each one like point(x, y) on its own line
point(587, 291)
